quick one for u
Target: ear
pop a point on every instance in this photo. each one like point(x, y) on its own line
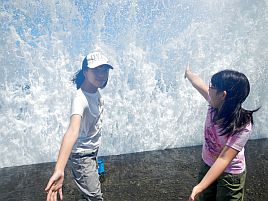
point(223, 95)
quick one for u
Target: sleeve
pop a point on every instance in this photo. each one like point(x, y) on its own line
point(239, 140)
point(77, 106)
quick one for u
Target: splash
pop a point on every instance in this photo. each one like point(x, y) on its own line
point(149, 105)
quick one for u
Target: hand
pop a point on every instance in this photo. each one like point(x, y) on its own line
point(195, 192)
point(54, 186)
point(187, 71)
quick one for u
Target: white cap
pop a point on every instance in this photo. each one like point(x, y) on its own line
point(94, 60)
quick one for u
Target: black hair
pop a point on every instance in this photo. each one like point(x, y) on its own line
point(232, 117)
point(79, 76)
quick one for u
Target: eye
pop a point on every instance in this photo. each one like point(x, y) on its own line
point(211, 86)
point(99, 71)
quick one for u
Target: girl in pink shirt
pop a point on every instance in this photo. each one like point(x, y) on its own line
point(227, 129)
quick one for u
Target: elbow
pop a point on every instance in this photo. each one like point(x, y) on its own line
point(71, 135)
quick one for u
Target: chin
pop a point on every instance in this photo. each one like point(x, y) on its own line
point(212, 104)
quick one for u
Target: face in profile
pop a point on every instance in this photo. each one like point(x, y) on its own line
point(216, 97)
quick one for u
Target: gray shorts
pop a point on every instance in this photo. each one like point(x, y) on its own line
point(85, 172)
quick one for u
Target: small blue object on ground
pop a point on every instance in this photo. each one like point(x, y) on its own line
point(100, 166)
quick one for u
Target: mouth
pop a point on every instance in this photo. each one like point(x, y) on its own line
point(101, 80)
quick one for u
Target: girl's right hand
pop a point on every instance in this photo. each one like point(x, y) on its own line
point(54, 186)
point(187, 71)
point(195, 192)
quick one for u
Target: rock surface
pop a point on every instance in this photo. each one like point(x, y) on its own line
point(163, 175)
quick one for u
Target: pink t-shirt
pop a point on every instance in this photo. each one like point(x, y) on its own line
point(214, 143)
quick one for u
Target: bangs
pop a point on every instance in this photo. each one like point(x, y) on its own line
point(217, 82)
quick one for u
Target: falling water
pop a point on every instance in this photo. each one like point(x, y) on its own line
point(149, 105)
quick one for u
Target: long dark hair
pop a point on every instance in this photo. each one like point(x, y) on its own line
point(231, 117)
point(79, 76)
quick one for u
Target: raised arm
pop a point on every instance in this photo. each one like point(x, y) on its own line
point(54, 185)
point(197, 82)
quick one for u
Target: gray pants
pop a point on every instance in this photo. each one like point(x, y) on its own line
point(85, 172)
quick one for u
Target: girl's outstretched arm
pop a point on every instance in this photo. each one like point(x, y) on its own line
point(55, 182)
point(197, 82)
point(215, 171)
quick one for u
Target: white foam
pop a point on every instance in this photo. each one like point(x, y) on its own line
point(148, 103)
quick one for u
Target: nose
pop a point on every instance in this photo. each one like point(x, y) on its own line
point(102, 75)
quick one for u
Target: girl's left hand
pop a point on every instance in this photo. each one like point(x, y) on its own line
point(195, 192)
point(54, 186)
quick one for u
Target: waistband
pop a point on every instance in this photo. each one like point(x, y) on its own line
point(82, 154)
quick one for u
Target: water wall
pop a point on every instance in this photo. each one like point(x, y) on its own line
point(148, 103)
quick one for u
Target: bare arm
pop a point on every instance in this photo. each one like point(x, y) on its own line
point(197, 82)
point(224, 159)
point(68, 141)
point(54, 185)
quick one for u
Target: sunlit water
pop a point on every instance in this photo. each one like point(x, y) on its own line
point(149, 105)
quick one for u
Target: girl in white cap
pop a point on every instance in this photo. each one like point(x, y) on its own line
point(81, 141)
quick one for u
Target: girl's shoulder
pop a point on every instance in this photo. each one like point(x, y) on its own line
point(244, 131)
point(248, 126)
point(78, 95)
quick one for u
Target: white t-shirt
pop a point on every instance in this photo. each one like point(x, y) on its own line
point(90, 107)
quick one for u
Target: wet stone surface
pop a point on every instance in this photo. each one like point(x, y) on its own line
point(164, 175)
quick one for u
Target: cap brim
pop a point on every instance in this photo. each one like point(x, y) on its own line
point(106, 66)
